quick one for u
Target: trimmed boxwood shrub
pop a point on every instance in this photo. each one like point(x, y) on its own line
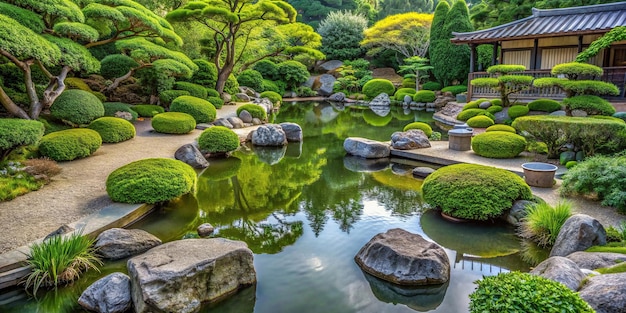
point(194, 90)
point(593, 105)
point(610, 118)
point(217, 102)
point(16, 132)
point(523, 292)
point(232, 86)
point(424, 96)
point(77, 107)
point(147, 110)
point(168, 96)
point(501, 128)
point(544, 105)
point(420, 125)
point(498, 144)
point(267, 68)
point(474, 192)
point(150, 181)
point(268, 85)
point(116, 65)
point(218, 139)
point(517, 111)
point(273, 96)
point(251, 78)
point(111, 107)
point(173, 123)
point(212, 93)
point(408, 82)
point(494, 109)
point(410, 91)
point(70, 144)
point(113, 129)
point(431, 86)
point(471, 105)
point(376, 86)
point(497, 102)
point(201, 110)
point(469, 113)
point(480, 121)
point(254, 110)
point(455, 90)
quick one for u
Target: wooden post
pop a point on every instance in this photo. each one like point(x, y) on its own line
point(580, 44)
point(494, 57)
point(472, 58)
point(533, 56)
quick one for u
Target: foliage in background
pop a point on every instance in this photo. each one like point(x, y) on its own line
point(342, 32)
point(374, 87)
point(543, 222)
point(15, 133)
point(614, 35)
point(254, 110)
point(504, 82)
point(416, 67)
point(293, 73)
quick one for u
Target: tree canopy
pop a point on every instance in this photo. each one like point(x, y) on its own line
point(342, 33)
point(407, 34)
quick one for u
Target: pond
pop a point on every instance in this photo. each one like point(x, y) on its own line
point(306, 210)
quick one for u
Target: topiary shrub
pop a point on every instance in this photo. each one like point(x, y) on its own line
point(254, 110)
point(424, 96)
point(497, 102)
point(498, 144)
point(113, 129)
point(77, 107)
point(501, 128)
point(455, 90)
point(194, 90)
point(218, 139)
point(420, 125)
point(212, 93)
point(523, 292)
point(471, 105)
point(608, 118)
point(517, 111)
point(267, 68)
point(201, 110)
point(374, 87)
point(480, 121)
point(274, 97)
point(494, 109)
point(400, 93)
point(166, 97)
point(17, 132)
point(469, 113)
point(293, 73)
point(116, 65)
point(76, 83)
point(434, 86)
point(268, 85)
point(570, 164)
point(217, 102)
point(544, 105)
point(150, 181)
point(593, 105)
point(474, 192)
point(232, 86)
point(206, 75)
point(147, 110)
point(251, 78)
point(173, 123)
point(70, 144)
point(408, 82)
point(110, 108)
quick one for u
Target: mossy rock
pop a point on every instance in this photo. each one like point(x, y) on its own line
point(494, 109)
point(70, 144)
point(110, 108)
point(480, 121)
point(77, 107)
point(254, 110)
point(173, 123)
point(420, 125)
point(498, 144)
point(502, 128)
point(517, 111)
point(201, 110)
point(150, 181)
point(218, 139)
point(113, 129)
point(274, 97)
point(147, 110)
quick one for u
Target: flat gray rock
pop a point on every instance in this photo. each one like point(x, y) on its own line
point(422, 171)
point(366, 148)
point(119, 243)
point(595, 260)
point(562, 270)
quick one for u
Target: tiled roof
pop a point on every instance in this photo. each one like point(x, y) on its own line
point(548, 23)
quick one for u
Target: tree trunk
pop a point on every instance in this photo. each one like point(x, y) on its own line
point(54, 90)
point(11, 107)
point(116, 83)
point(222, 77)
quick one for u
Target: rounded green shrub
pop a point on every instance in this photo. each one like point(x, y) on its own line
point(218, 139)
point(166, 97)
point(77, 107)
point(267, 68)
point(76, 83)
point(498, 144)
point(434, 86)
point(501, 128)
point(593, 105)
point(217, 102)
point(376, 86)
point(70, 144)
point(610, 118)
point(544, 105)
point(410, 91)
point(469, 113)
point(494, 109)
point(471, 105)
point(232, 86)
point(173, 123)
point(116, 65)
point(475, 192)
point(420, 125)
point(408, 82)
point(110, 108)
point(523, 292)
point(254, 110)
point(497, 102)
point(399, 96)
point(251, 78)
point(16, 132)
point(570, 164)
point(517, 111)
point(206, 75)
point(194, 90)
point(480, 121)
point(268, 85)
point(212, 93)
point(293, 73)
point(201, 110)
point(147, 110)
point(455, 90)
point(424, 96)
point(273, 96)
point(113, 129)
point(150, 181)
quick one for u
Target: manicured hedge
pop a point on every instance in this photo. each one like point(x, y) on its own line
point(434, 86)
point(408, 83)
point(455, 90)
point(593, 105)
point(254, 110)
point(400, 93)
point(147, 110)
point(498, 144)
point(424, 96)
point(16, 132)
point(250, 78)
point(218, 139)
point(111, 107)
point(475, 192)
point(194, 90)
point(376, 86)
point(469, 113)
point(150, 181)
point(471, 105)
point(77, 106)
point(544, 105)
point(494, 109)
point(166, 97)
point(273, 96)
point(500, 127)
point(420, 125)
point(217, 102)
point(212, 93)
point(517, 111)
point(201, 110)
point(480, 121)
point(173, 123)
point(113, 129)
point(70, 144)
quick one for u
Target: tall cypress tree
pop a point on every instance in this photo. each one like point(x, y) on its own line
point(438, 41)
point(458, 56)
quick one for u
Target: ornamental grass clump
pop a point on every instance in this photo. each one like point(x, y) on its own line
point(498, 144)
point(60, 260)
point(543, 222)
point(218, 139)
point(113, 129)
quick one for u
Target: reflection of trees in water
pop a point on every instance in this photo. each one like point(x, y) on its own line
point(268, 236)
point(399, 202)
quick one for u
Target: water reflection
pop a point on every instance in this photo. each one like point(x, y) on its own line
point(418, 298)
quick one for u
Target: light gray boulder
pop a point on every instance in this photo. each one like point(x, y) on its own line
point(558, 113)
point(245, 116)
point(605, 293)
point(408, 140)
point(381, 100)
point(265, 103)
point(595, 260)
point(327, 82)
point(119, 243)
point(407, 99)
point(484, 105)
point(109, 294)
point(578, 233)
point(579, 113)
point(242, 96)
point(562, 270)
point(404, 258)
point(179, 276)
point(517, 212)
point(422, 171)
point(269, 135)
point(223, 122)
point(366, 148)
point(256, 121)
point(123, 115)
point(330, 65)
point(337, 97)
point(191, 155)
point(293, 131)
point(236, 122)
point(248, 91)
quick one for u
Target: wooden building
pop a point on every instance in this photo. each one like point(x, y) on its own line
point(550, 37)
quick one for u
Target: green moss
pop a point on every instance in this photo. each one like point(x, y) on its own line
point(274, 97)
point(479, 121)
point(113, 129)
point(147, 110)
point(494, 109)
point(619, 268)
point(498, 144)
point(471, 105)
point(150, 181)
point(420, 125)
point(254, 110)
point(374, 87)
point(500, 127)
point(424, 96)
point(110, 108)
point(77, 107)
point(70, 144)
point(201, 110)
point(218, 139)
point(593, 105)
point(469, 113)
point(474, 192)
point(455, 90)
point(173, 123)
point(544, 105)
point(517, 111)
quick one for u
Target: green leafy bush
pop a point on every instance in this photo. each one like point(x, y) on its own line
point(455, 90)
point(166, 97)
point(494, 109)
point(410, 91)
point(194, 90)
point(77, 107)
point(206, 75)
point(480, 121)
point(342, 32)
point(147, 110)
point(201, 110)
point(420, 125)
point(293, 73)
point(471, 105)
point(113, 129)
point(517, 111)
point(601, 176)
point(374, 87)
point(232, 86)
point(173, 123)
point(251, 78)
point(543, 222)
point(274, 97)
point(70, 144)
point(500, 127)
point(304, 91)
point(267, 68)
point(498, 144)
point(268, 85)
point(212, 93)
point(434, 86)
point(218, 139)
point(610, 118)
point(593, 105)
point(473, 191)
point(116, 65)
point(254, 110)
point(408, 83)
point(110, 108)
point(16, 132)
point(217, 102)
point(469, 113)
point(523, 292)
point(544, 105)
point(570, 164)
point(424, 96)
point(497, 102)
point(150, 181)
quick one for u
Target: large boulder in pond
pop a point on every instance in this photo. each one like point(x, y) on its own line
point(327, 82)
point(119, 243)
point(366, 148)
point(562, 270)
point(408, 140)
point(109, 294)
point(293, 131)
point(337, 97)
point(191, 155)
point(578, 233)
point(605, 293)
point(179, 276)
point(269, 135)
point(404, 258)
point(595, 260)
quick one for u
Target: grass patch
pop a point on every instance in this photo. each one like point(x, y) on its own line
point(12, 187)
point(543, 222)
point(614, 247)
point(619, 268)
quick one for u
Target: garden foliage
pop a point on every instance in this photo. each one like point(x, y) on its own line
point(77, 107)
point(194, 90)
point(252, 79)
point(147, 110)
point(166, 97)
point(110, 108)
point(544, 105)
point(113, 129)
point(342, 32)
point(500, 127)
point(218, 139)
point(504, 81)
point(593, 105)
point(374, 87)
point(254, 110)
point(517, 111)
point(70, 144)
point(173, 123)
point(455, 90)
point(116, 65)
point(469, 113)
point(543, 222)
point(274, 97)
point(424, 96)
point(201, 110)
point(498, 144)
point(480, 121)
point(420, 125)
point(15, 133)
